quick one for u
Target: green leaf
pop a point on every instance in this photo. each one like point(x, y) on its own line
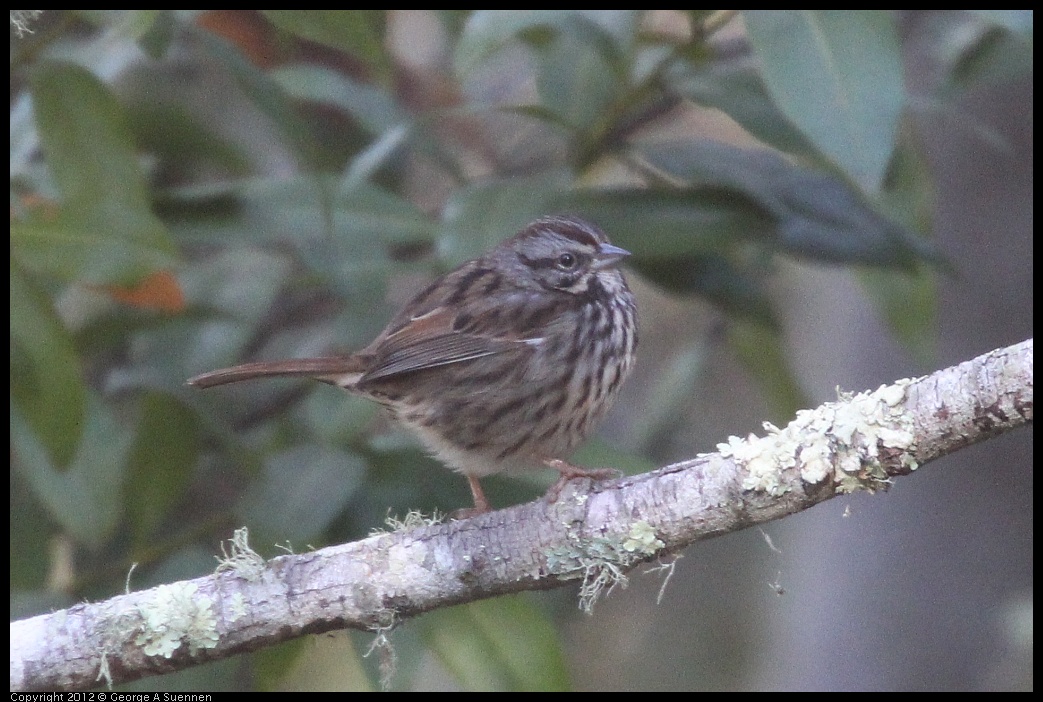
point(579, 77)
point(660, 223)
point(737, 89)
point(88, 146)
point(763, 353)
point(294, 210)
point(479, 217)
point(377, 114)
point(908, 302)
point(86, 498)
point(338, 418)
point(356, 32)
point(46, 380)
point(79, 246)
point(32, 556)
point(375, 109)
point(161, 461)
point(104, 231)
point(269, 97)
point(233, 291)
point(174, 136)
point(314, 664)
point(816, 215)
point(137, 23)
point(379, 154)
point(838, 76)
point(909, 193)
point(735, 288)
point(155, 30)
point(347, 238)
point(983, 54)
point(300, 492)
point(675, 381)
point(453, 21)
point(505, 643)
point(582, 65)
point(486, 32)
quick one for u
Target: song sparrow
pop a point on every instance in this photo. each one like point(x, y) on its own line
point(505, 363)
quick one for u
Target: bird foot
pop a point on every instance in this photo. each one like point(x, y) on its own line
point(569, 472)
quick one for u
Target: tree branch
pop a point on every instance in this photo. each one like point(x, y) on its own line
point(592, 533)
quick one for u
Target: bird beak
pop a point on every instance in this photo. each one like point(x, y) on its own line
point(609, 256)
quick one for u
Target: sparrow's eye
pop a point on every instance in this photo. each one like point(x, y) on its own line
point(567, 261)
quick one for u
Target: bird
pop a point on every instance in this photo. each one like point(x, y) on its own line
point(505, 363)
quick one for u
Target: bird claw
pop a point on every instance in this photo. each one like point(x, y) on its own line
point(465, 513)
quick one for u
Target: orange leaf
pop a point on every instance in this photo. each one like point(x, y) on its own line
point(36, 205)
point(158, 291)
point(248, 30)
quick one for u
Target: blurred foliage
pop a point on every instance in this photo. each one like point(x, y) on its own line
point(194, 189)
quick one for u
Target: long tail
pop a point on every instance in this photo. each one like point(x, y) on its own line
point(342, 371)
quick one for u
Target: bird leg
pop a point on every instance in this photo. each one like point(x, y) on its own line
point(481, 504)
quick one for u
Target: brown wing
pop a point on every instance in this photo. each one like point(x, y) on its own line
point(434, 339)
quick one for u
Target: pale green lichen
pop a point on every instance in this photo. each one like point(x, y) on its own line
point(243, 560)
point(237, 607)
point(386, 620)
point(598, 575)
point(668, 569)
point(866, 424)
point(104, 673)
point(642, 539)
point(602, 560)
point(113, 632)
point(177, 614)
point(762, 459)
point(413, 520)
point(816, 460)
point(893, 395)
point(842, 438)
